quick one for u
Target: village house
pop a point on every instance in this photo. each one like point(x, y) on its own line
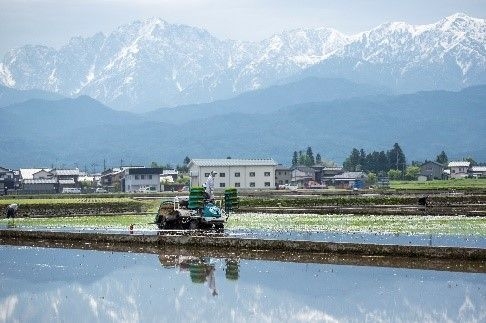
point(48, 181)
point(8, 180)
point(141, 179)
point(238, 173)
point(459, 169)
point(325, 175)
point(350, 180)
point(111, 178)
point(478, 171)
point(302, 176)
point(283, 175)
point(432, 170)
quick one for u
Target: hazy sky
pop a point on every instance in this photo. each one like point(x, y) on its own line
point(53, 22)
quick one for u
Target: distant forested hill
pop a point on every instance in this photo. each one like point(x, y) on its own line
point(83, 131)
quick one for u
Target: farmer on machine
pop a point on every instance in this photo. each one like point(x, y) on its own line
point(210, 185)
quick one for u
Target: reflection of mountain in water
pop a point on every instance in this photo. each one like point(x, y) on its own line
point(136, 288)
point(50, 265)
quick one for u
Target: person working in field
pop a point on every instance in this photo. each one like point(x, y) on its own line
point(11, 210)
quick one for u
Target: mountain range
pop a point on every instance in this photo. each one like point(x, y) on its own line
point(84, 131)
point(151, 64)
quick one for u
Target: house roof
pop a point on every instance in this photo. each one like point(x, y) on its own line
point(233, 162)
point(305, 169)
point(144, 170)
point(432, 162)
point(28, 173)
point(40, 181)
point(478, 169)
point(459, 164)
point(68, 181)
point(3, 169)
point(349, 176)
point(65, 172)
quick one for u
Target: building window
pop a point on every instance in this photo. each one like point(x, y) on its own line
point(136, 177)
point(252, 184)
point(206, 174)
point(222, 174)
point(142, 176)
point(267, 184)
point(237, 174)
point(267, 173)
point(252, 174)
point(237, 184)
point(150, 176)
point(222, 184)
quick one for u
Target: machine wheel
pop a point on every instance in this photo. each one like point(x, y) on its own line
point(194, 225)
point(162, 224)
point(219, 227)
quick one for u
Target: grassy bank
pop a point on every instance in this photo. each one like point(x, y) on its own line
point(450, 184)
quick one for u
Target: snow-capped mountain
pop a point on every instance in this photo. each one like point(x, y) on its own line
point(449, 54)
point(151, 63)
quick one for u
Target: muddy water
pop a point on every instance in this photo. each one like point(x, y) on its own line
point(69, 285)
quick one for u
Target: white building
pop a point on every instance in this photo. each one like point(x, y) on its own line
point(141, 179)
point(459, 169)
point(238, 173)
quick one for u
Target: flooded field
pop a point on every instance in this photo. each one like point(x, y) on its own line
point(46, 285)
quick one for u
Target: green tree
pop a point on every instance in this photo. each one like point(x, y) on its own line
point(351, 163)
point(471, 160)
point(396, 158)
point(295, 159)
point(442, 158)
point(372, 178)
point(310, 157)
point(412, 173)
point(187, 160)
point(394, 174)
point(318, 159)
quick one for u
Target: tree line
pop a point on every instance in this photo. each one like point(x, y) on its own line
point(376, 162)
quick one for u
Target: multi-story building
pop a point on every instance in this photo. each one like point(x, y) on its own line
point(238, 173)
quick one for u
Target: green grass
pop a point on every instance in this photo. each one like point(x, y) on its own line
point(459, 184)
point(366, 223)
point(100, 222)
point(87, 200)
point(437, 225)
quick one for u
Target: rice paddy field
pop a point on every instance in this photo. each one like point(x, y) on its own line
point(420, 225)
point(343, 223)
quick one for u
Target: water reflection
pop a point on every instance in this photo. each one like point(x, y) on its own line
point(201, 269)
point(46, 285)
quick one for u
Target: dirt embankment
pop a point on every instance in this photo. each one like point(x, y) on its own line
point(420, 257)
point(77, 208)
point(377, 204)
